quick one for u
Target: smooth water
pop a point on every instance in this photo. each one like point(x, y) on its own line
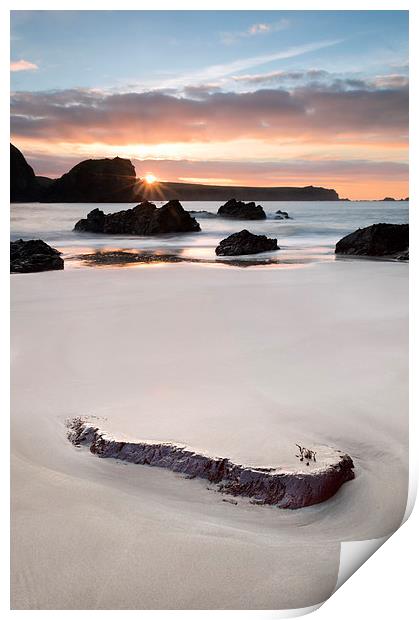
point(310, 235)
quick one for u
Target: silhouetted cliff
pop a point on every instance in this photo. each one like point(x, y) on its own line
point(23, 183)
point(190, 191)
point(96, 180)
point(114, 180)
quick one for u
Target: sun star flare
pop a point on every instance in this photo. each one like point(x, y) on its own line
point(149, 178)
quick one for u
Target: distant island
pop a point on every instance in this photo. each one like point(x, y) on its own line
point(115, 180)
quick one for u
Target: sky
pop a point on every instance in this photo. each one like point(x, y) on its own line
point(267, 98)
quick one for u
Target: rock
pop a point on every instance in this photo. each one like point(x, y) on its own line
point(387, 240)
point(23, 184)
point(403, 255)
point(94, 222)
point(282, 215)
point(238, 210)
point(96, 180)
point(33, 255)
point(144, 219)
point(245, 242)
point(388, 198)
point(44, 182)
point(293, 488)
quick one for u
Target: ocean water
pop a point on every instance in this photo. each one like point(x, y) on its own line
point(309, 236)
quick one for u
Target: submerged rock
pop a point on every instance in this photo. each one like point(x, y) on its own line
point(245, 242)
point(144, 219)
point(238, 210)
point(276, 486)
point(384, 240)
point(282, 215)
point(33, 255)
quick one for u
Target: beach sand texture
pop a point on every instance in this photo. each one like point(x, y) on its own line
point(240, 363)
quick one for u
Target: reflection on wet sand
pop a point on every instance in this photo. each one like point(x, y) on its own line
point(115, 257)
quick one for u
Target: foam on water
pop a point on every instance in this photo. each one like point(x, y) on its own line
point(310, 235)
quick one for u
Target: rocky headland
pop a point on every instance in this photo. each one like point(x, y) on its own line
point(115, 180)
point(95, 180)
point(24, 186)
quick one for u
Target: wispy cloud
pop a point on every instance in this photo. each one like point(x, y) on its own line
point(23, 65)
point(280, 76)
point(215, 72)
point(322, 79)
point(255, 29)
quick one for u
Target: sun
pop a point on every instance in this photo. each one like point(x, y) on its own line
point(150, 178)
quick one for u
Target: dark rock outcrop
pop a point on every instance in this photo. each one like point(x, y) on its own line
point(23, 184)
point(144, 219)
point(383, 240)
point(44, 182)
point(96, 180)
point(238, 210)
point(282, 215)
point(245, 242)
point(33, 255)
point(274, 486)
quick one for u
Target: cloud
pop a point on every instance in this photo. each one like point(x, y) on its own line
point(259, 29)
point(280, 76)
point(391, 81)
point(254, 30)
point(303, 114)
point(319, 78)
point(22, 65)
point(216, 73)
point(201, 91)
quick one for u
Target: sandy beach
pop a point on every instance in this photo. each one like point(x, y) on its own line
point(242, 363)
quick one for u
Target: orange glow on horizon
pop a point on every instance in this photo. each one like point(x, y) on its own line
point(356, 183)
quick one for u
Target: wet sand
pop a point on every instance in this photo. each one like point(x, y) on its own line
point(243, 363)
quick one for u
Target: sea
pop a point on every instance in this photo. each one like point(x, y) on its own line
point(308, 236)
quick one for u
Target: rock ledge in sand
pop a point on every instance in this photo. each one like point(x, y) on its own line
point(285, 488)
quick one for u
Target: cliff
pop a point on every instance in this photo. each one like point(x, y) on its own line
point(23, 184)
point(114, 180)
point(191, 191)
point(95, 180)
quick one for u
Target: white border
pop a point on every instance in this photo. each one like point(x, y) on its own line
point(386, 586)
